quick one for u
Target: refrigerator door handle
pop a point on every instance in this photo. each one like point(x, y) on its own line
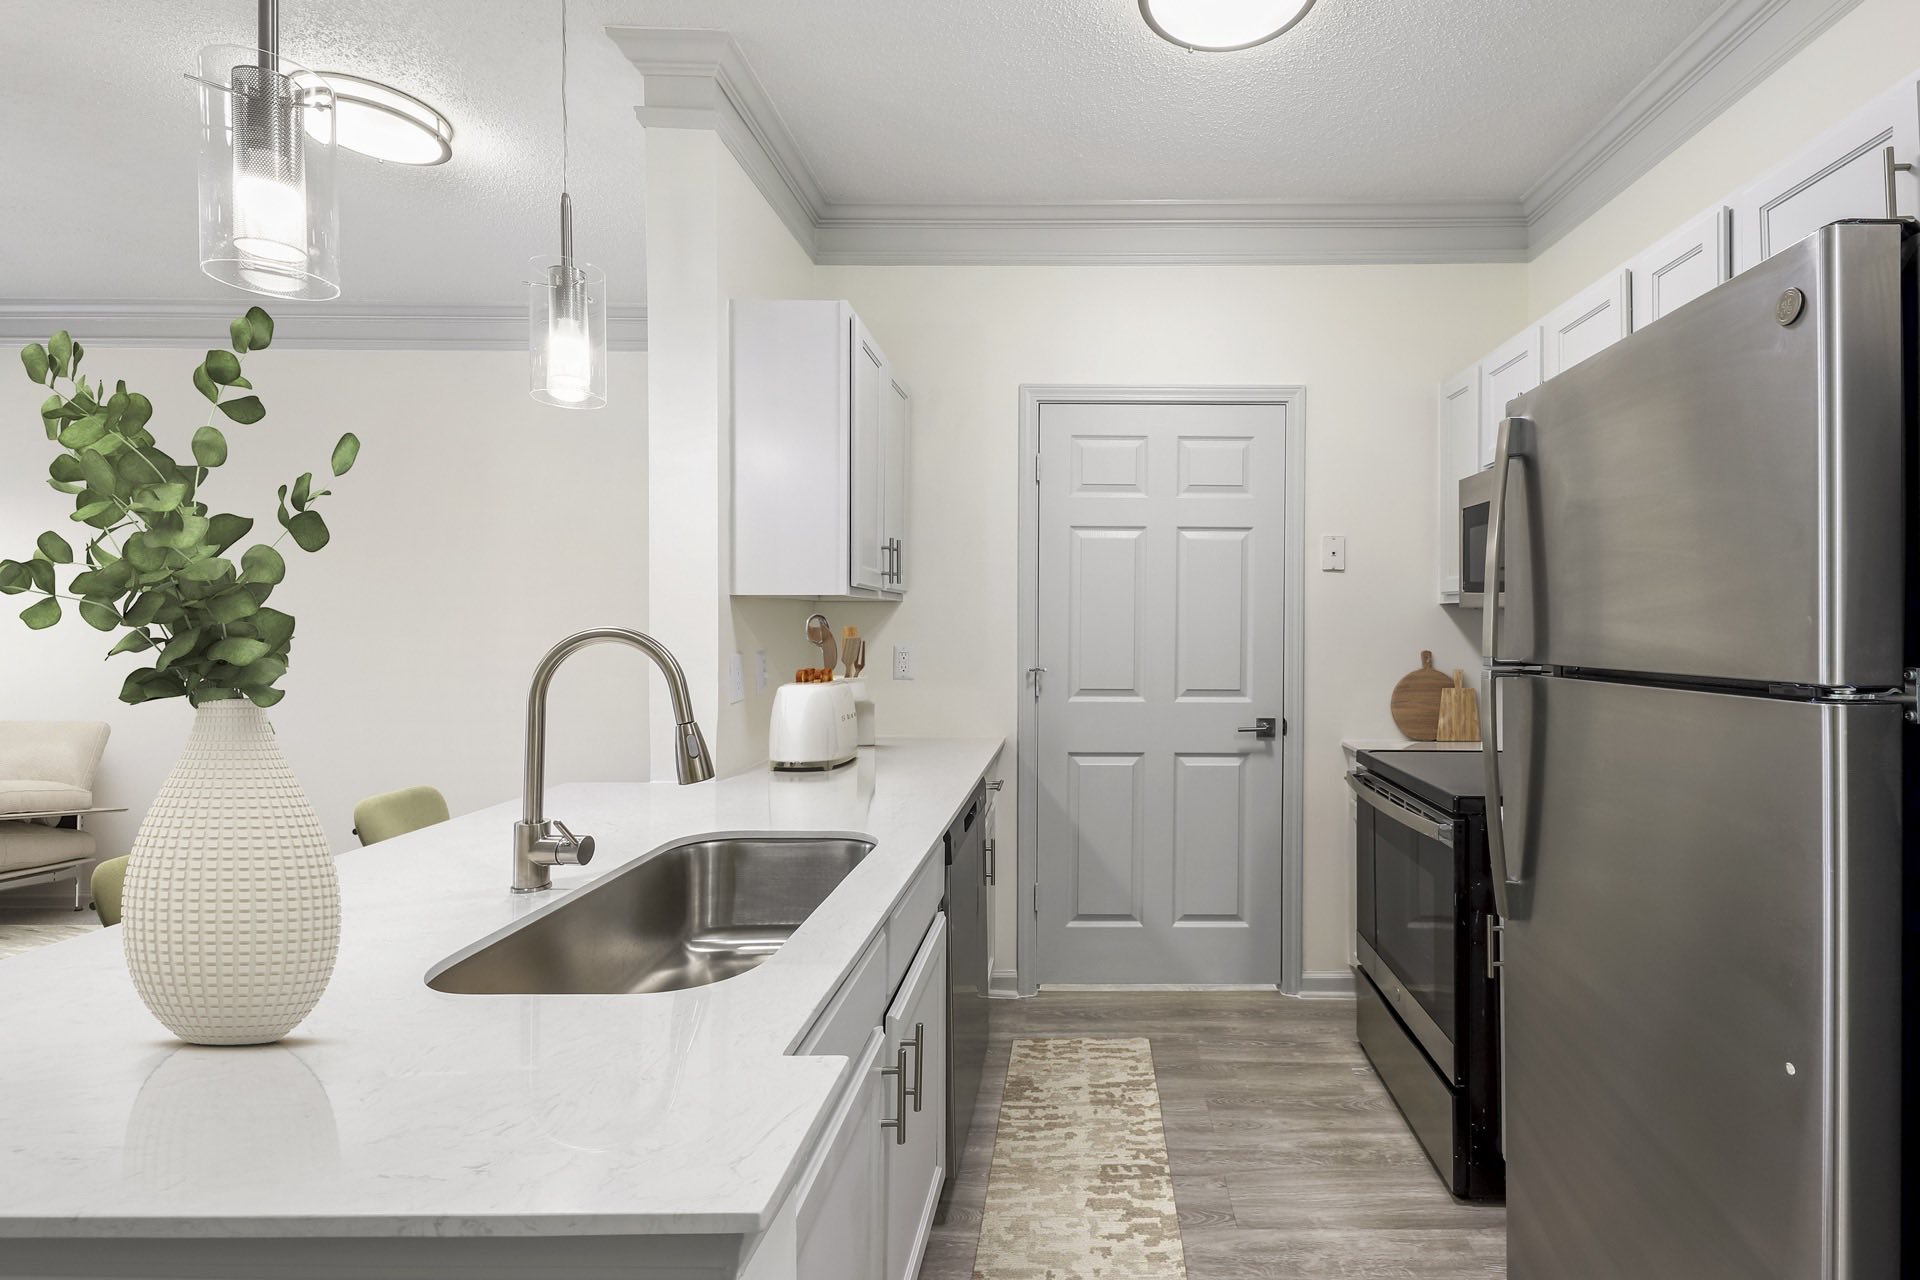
point(1515, 442)
point(1496, 823)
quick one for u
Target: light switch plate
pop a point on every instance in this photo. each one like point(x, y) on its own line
point(736, 680)
point(902, 662)
point(1333, 553)
point(760, 663)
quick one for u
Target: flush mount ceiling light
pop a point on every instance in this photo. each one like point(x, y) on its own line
point(379, 120)
point(1221, 26)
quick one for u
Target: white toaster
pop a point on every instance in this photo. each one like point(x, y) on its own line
point(815, 726)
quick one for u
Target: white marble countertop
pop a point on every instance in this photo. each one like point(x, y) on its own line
point(395, 1110)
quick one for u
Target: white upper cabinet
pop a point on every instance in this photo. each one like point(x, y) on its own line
point(1862, 169)
point(1459, 458)
point(1590, 321)
point(820, 434)
point(1682, 267)
point(1513, 369)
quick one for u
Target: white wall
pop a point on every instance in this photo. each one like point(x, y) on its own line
point(477, 528)
point(1847, 66)
point(715, 239)
point(1369, 344)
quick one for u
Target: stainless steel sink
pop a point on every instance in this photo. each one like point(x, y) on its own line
point(688, 916)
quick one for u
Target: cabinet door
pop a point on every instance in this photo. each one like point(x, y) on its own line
point(1682, 267)
point(916, 1154)
point(871, 382)
point(1588, 322)
point(1851, 172)
point(1513, 369)
point(1459, 458)
point(840, 1226)
point(897, 435)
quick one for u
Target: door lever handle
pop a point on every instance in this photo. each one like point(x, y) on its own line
point(1262, 727)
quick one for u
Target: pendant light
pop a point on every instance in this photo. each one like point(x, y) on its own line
point(269, 222)
point(567, 302)
point(1221, 26)
point(386, 123)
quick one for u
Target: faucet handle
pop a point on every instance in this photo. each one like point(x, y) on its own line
point(568, 850)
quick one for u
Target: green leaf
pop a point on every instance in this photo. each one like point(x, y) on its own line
point(159, 497)
point(99, 616)
point(238, 651)
point(54, 547)
point(60, 352)
point(103, 583)
point(80, 434)
point(262, 564)
point(203, 384)
point(94, 469)
point(212, 569)
point(138, 411)
point(345, 452)
point(302, 491)
point(262, 672)
point(309, 530)
point(239, 335)
point(94, 510)
point(41, 614)
point(66, 468)
point(187, 534)
point(41, 571)
point(14, 578)
point(272, 626)
point(265, 697)
point(209, 445)
point(34, 356)
point(177, 648)
point(144, 554)
point(224, 530)
point(260, 325)
point(132, 642)
point(74, 366)
point(146, 609)
point(222, 366)
point(232, 605)
point(74, 487)
point(246, 409)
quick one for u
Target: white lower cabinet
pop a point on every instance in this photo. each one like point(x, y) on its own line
point(841, 1219)
point(916, 1034)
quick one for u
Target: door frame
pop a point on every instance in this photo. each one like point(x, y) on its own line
point(1292, 399)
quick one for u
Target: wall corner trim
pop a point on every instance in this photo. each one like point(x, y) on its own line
point(1326, 984)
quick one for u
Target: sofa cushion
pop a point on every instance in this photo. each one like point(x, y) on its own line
point(27, 844)
point(64, 751)
point(29, 795)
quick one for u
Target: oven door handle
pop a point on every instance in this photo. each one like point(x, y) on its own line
point(1443, 832)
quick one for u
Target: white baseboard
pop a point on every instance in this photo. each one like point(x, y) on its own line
point(1326, 984)
point(1004, 984)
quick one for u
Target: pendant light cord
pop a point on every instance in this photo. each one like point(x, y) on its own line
point(563, 95)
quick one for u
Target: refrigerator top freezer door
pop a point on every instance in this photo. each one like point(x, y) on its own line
point(1718, 496)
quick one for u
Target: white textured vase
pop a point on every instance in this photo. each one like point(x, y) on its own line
point(231, 912)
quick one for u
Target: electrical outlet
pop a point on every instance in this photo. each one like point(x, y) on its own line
point(736, 680)
point(1333, 553)
point(760, 664)
point(902, 662)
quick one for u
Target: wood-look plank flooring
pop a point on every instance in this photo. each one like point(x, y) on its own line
point(1289, 1158)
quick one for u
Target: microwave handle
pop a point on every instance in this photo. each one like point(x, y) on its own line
point(1515, 439)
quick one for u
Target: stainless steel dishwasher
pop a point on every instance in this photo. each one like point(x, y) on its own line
point(967, 1005)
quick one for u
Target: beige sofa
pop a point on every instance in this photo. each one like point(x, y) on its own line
point(46, 791)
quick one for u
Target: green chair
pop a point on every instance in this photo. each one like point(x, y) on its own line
point(109, 878)
point(395, 813)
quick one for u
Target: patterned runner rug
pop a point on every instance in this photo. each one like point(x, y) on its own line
point(1079, 1188)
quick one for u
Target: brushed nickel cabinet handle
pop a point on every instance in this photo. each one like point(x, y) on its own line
point(899, 1074)
point(1893, 166)
point(919, 1058)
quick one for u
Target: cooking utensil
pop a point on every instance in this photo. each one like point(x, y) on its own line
point(1416, 700)
point(820, 632)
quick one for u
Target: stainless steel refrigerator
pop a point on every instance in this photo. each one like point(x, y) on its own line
point(1700, 660)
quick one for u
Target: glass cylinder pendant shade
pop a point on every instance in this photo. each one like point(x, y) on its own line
point(269, 222)
point(567, 327)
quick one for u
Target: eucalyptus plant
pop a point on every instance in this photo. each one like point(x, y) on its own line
point(154, 557)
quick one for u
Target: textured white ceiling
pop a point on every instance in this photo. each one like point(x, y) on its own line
point(892, 101)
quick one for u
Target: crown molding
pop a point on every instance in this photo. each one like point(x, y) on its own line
point(1740, 45)
point(330, 326)
point(699, 79)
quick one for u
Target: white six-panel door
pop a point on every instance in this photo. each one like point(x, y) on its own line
point(1160, 628)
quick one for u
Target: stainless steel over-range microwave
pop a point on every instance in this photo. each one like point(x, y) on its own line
point(1476, 505)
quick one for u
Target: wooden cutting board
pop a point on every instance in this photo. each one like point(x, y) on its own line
point(1459, 711)
point(1416, 700)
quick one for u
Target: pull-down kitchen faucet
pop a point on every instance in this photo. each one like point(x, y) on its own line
point(540, 843)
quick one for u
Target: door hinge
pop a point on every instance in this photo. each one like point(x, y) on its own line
point(1034, 674)
point(1036, 899)
point(1036, 468)
point(1494, 958)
